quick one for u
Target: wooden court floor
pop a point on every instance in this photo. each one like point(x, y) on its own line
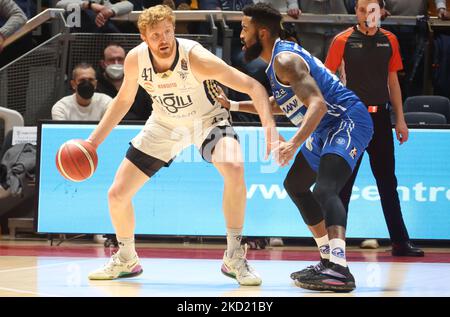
point(36, 269)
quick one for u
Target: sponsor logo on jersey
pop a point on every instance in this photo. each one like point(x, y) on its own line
point(166, 86)
point(148, 86)
point(165, 74)
point(383, 45)
point(184, 65)
point(353, 153)
point(291, 106)
point(173, 103)
point(356, 45)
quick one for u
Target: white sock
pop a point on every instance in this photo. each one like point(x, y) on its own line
point(337, 252)
point(323, 246)
point(234, 237)
point(127, 250)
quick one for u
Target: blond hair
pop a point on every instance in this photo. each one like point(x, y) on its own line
point(151, 16)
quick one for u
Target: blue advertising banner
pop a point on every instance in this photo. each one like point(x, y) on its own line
point(186, 198)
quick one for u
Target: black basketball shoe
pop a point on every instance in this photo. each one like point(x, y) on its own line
point(323, 264)
point(335, 278)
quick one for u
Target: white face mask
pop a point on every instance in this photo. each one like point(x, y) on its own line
point(114, 71)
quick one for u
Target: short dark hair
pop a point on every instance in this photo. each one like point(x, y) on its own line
point(265, 15)
point(82, 65)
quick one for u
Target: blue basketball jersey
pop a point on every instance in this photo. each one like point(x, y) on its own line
point(338, 98)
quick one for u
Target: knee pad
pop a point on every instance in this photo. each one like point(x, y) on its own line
point(331, 204)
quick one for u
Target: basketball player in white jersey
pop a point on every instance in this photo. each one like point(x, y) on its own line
point(180, 75)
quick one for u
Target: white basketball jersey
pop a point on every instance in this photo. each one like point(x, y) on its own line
point(176, 94)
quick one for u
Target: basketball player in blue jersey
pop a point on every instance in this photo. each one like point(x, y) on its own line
point(180, 76)
point(334, 128)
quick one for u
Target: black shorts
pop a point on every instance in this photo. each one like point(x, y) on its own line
point(150, 165)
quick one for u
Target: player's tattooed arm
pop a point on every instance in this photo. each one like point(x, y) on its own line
point(292, 70)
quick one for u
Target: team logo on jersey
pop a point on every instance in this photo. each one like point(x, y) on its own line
point(183, 75)
point(340, 140)
point(173, 103)
point(353, 153)
point(184, 65)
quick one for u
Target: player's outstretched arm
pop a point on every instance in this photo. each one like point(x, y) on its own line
point(120, 105)
point(206, 65)
point(246, 106)
point(292, 70)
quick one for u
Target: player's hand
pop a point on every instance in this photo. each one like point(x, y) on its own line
point(95, 145)
point(401, 130)
point(103, 16)
point(294, 12)
point(272, 140)
point(223, 99)
point(284, 152)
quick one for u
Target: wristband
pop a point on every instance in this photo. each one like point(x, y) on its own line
point(234, 105)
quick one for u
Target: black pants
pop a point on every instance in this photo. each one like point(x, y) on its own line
point(382, 163)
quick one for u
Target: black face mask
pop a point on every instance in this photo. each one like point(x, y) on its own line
point(85, 89)
point(253, 52)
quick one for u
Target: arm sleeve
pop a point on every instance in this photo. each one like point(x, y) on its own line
point(121, 8)
point(440, 4)
point(335, 53)
point(58, 112)
point(292, 4)
point(14, 16)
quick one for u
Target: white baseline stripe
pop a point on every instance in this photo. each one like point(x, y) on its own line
point(27, 292)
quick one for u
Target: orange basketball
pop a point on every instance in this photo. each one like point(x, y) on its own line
point(76, 160)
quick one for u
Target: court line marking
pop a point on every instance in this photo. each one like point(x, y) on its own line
point(27, 292)
point(44, 265)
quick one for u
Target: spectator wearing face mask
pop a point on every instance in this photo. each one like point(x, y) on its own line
point(84, 104)
point(110, 78)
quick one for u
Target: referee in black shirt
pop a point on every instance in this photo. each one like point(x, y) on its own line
point(368, 59)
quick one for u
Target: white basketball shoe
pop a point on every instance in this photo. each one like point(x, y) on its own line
point(115, 269)
point(238, 268)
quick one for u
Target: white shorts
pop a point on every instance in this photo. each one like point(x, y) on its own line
point(165, 140)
